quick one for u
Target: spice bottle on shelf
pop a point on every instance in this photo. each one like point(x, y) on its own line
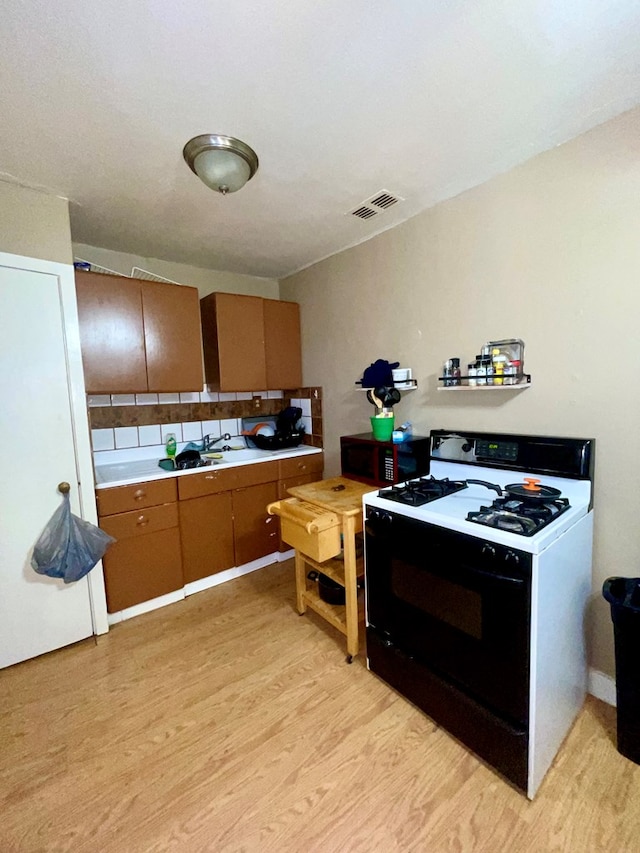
point(446, 373)
point(471, 373)
point(498, 361)
point(489, 369)
point(481, 371)
point(455, 371)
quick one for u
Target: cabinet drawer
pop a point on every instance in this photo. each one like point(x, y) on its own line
point(138, 496)
point(255, 475)
point(208, 483)
point(137, 523)
point(296, 466)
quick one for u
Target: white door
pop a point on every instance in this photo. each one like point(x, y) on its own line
point(37, 613)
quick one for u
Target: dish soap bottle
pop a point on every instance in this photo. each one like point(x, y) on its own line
point(170, 445)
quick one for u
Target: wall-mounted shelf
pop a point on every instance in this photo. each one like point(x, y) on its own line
point(410, 385)
point(524, 382)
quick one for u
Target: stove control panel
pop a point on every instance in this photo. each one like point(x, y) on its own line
point(498, 451)
point(532, 454)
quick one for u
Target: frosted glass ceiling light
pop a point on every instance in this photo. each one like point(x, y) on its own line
point(223, 163)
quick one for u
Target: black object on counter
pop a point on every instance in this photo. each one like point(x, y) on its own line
point(187, 456)
point(287, 432)
point(328, 589)
point(623, 594)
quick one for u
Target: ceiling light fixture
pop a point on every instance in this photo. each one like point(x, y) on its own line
point(223, 163)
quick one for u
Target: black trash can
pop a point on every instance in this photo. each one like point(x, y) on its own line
point(623, 594)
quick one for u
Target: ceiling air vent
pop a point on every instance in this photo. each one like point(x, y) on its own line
point(384, 200)
point(364, 212)
point(376, 204)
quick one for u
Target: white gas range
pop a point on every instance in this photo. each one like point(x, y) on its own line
point(452, 510)
point(481, 622)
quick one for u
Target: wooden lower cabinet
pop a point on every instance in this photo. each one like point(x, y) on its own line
point(255, 532)
point(206, 527)
point(179, 530)
point(145, 561)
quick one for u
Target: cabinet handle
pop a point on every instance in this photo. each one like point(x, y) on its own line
point(302, 466)
point(268, 519)
point(211, 476)
point(139, 494)
point(142, 521)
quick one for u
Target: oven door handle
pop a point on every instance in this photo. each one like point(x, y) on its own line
point(495, 576)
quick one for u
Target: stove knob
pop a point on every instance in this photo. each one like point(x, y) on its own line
point(378, 521)
point(488, 550)
point(512, 558)
point(379, 515)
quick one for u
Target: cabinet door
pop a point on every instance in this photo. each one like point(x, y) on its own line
point(111, 333)
point(206, 526)
point(142, 565)
point(291, 482)
point(233, 341)
point(283, 353)
point(172, 337)
point(255, 532)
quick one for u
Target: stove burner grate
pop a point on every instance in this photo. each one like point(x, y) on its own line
point(518, 516)
point(422, 491)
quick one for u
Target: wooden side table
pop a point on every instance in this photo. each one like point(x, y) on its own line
point(331, 509)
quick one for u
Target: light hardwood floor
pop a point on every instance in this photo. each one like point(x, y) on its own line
point(229, 723)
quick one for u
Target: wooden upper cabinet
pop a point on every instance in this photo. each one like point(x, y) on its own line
point(138, 336)
point(173, 338)
point(250, 343)
point(283, 352)
point(111, 333)
point(233, 341)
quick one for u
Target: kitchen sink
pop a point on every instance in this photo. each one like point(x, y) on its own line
point(244, 455)
point(142, 469)
point(125, 470)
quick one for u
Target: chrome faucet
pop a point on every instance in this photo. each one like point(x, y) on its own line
point(208, 442)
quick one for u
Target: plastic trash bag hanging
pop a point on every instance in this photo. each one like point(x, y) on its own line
point(69, 547)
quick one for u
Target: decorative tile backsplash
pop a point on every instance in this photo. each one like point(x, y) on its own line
point(140, 420)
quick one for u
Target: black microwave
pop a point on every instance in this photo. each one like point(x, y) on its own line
point(381, 463)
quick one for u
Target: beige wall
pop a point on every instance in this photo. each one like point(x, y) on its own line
point(549, 253)
point(34, 224)
point(207, 281)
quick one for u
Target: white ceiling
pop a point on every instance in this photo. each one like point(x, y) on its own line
point(423, 98)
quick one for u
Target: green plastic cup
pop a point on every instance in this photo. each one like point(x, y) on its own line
point(382, 428)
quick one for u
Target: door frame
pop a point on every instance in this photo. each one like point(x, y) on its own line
point(83, 501)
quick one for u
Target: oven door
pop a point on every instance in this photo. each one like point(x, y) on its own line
point(457, 604)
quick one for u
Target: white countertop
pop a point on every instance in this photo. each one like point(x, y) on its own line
point(125, 472)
